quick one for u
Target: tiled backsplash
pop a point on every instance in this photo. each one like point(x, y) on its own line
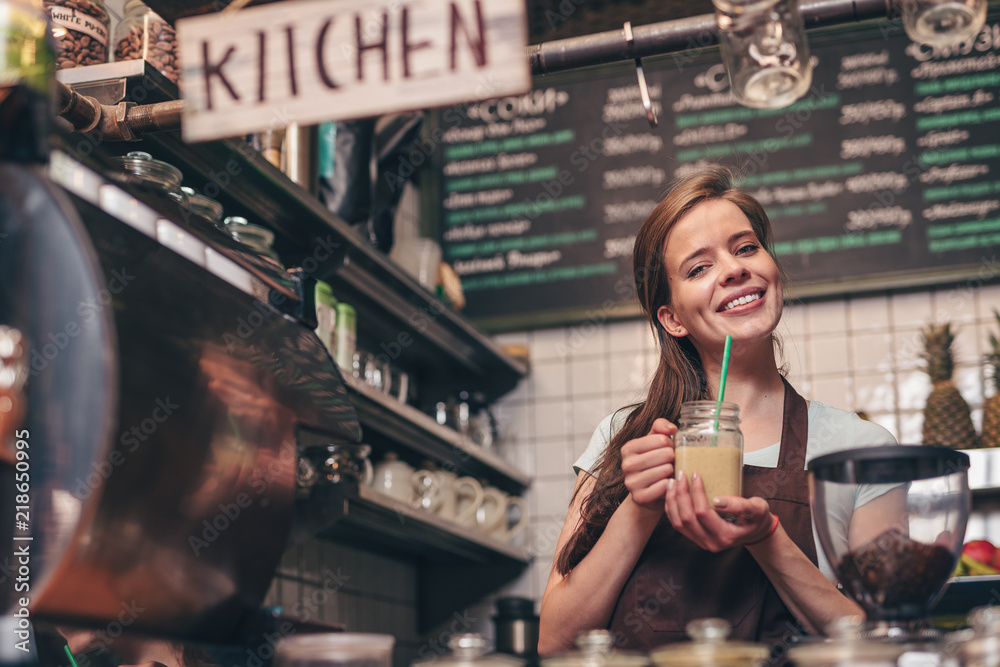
point(859, 353)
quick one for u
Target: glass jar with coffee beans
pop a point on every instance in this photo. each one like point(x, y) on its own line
point(143, 35)
point(80, 28)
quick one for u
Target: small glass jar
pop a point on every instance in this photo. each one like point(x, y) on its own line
point(710, 443)
point(469, 650)
point(80, 28)
point(253, 236)
point(204, 206)
point(326, 316)
point(143, 35)
point(140, 167)
point(596, 648)
point(978, 645)
point(847, 645)
point(709, 647)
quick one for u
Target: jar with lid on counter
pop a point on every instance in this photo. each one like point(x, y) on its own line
point(80, 28)
point(140, 167)
point(596, 648)
point(710, 647)
point(469, 650)
point(143, 35)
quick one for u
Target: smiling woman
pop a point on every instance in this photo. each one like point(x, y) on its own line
point(644, 550)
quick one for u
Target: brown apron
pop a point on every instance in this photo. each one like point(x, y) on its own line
point(676, 581)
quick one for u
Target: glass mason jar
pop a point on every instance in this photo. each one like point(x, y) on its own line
point(80, 28)
point(710, 443)
point(710, 647)
point(143, 35)
point(253, 236)
point(764, 47)
point(140, 167)
point(203, 206)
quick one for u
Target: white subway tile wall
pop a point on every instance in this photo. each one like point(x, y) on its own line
point(858, 353)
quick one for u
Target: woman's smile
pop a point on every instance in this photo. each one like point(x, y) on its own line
point(744, 301)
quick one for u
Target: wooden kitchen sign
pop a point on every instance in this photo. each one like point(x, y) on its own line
point(307, 61)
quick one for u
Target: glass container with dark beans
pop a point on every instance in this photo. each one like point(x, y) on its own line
point(80, 28)
point(143, 35)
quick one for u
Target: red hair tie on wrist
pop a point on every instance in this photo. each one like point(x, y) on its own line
point(774, 527)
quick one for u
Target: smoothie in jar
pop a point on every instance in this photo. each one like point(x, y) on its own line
point(721, 468)
point(709, 442)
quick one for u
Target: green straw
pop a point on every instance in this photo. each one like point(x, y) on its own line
point(69, 654)
point(722, 386)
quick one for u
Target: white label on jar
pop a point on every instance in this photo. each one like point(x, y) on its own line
point(78, 21)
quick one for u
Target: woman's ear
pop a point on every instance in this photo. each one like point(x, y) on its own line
point(669, 322)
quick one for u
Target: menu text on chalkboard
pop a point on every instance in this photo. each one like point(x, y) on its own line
point(886, 173)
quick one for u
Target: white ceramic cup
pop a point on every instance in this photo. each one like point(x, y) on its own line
point(430, 490)
point(493, 516)
point(469, 497)
point(464, 492)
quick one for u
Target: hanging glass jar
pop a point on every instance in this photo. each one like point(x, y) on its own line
point(143, 35)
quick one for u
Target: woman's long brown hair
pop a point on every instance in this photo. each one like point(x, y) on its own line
point(679, 374)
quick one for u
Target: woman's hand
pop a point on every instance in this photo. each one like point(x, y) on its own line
point(690, 513)
point(648, 463)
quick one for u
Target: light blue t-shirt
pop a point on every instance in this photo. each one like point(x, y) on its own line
point(830, 430)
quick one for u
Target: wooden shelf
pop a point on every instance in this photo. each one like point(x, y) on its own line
point(396, 316)
point(361, 515)
point(384, 416)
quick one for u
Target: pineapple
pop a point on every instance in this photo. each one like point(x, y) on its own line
point(991, 409)
point(946, 416)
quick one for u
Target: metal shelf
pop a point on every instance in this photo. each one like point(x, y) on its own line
point(383, 415)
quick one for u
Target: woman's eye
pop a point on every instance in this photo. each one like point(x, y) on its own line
point(749, 247)
point(696, 271)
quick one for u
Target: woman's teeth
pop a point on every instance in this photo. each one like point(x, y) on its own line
point(742, 301)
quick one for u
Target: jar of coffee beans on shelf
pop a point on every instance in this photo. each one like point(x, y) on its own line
point(80, 28)
point(143, 35)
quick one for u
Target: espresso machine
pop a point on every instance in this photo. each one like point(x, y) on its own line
point(163, 382)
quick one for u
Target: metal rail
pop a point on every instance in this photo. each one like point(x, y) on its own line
point(127, 122)
point(683, 34)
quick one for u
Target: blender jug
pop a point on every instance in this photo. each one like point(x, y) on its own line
point(892, 521)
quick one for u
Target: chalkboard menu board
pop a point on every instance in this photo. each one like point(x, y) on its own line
point(886, 173)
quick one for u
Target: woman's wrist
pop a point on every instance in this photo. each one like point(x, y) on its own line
point(644, 515)
point(774, 527)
